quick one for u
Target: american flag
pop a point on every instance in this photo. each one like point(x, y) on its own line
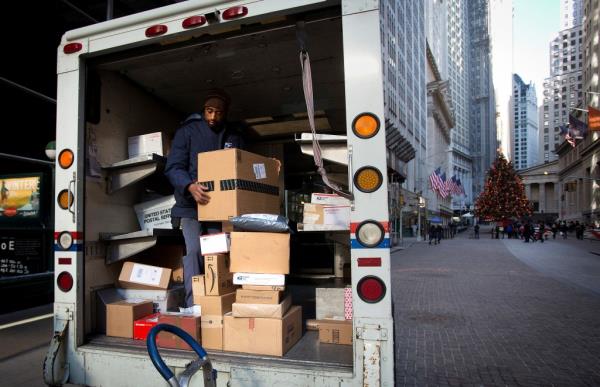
point(444, 188)
point(577, 128)
point(435, 180)
point(565, 131)
point(453, 186)
point(462, 190)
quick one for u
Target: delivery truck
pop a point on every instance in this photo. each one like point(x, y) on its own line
point(142, 74)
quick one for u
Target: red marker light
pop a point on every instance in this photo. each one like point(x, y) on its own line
point(156, 30)
point(193, 21)
point(72, 48)
point(64, 261)
point(369, 262)
point(64, 281)
point(235, 12)
point(371, 289)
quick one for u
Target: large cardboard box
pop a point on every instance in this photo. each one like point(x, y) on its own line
point(262, 310)
point(243, 296)
point(164, 255)
point(188, 322)
point(218, 279)
point(139, 276)
point(263, 336)
point(145, 144)
point(239, 182)
point(213, 308)
point(155, 213)
point(162, 300)
point(335, 332)
point(120, 316)
point(260, 252)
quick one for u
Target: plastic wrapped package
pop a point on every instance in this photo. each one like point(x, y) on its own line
point(261, 223)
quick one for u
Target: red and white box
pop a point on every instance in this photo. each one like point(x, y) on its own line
point(142, 327)
point(348, 303)
point(215, 244)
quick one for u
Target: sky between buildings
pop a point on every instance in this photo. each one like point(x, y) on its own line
point(535, 24)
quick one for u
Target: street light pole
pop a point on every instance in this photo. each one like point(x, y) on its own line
point(419, 239)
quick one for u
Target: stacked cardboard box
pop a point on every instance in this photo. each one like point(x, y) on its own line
point(334, 315)
point(326, 212)
point(215, 293)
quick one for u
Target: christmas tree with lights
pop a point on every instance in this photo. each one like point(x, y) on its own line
point(503, 196)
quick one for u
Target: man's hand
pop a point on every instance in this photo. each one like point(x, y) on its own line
point(199, 193)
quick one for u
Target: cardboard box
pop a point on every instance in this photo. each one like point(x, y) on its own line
point(329, 303)
point(142, 327)
point(213, 309)
point(188, 322)
point(214, 244)
point(328, 199)
point(258, 296)
point(198, 287)
point(240, 182)
point(139, 276)
point(155, 213)
point(263, 336)
point(312, 325)
point(258, 279)
point(215, 305)
point(262, 310)
point(103, 298)
point(260, 252)
point(263, 287)
point(338, 217)
point(162, 300)
point(145, 144)
point(163, 255)
point(218, 279)
point(120, 316)
point(335, 332)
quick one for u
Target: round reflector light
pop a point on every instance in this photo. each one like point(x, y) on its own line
point(365, 125)
point(65, 197)
point(193, 21)
point(368, 179)
point(64, 281)
point(370, 233)
point(65, 158)
point(371, 289)
point(65, 240)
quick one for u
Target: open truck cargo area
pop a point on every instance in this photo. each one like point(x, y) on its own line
point(126, 83)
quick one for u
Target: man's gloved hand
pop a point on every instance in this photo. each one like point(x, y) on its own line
point(199, 194)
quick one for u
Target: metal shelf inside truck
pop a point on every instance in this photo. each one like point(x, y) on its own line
point(122, 246)
point(126, 172)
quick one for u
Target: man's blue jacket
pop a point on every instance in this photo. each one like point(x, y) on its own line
point(195, 136)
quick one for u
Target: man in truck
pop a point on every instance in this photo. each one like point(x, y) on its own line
point(203, 132)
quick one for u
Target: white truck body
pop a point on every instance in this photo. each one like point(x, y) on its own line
point(141, 84)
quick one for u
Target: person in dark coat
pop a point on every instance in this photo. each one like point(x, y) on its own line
point(432, 235)
point(200, 133)
point(439, 231)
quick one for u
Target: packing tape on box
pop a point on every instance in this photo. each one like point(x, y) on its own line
point(244, 185)
point(211, 321)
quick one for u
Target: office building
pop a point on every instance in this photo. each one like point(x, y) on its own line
point(524, 124)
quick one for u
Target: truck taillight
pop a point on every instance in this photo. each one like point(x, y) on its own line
point(371, 289)
point(156, 30)
point(72, 48)
point(234, 12)
point(64, 281)
point(65, 199)
point(193, 21)
point(370, 233)
point(368, 179)
point(365, 125)
point(65, 158)
point(65, 240)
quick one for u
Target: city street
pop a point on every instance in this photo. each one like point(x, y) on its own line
point(497, 312)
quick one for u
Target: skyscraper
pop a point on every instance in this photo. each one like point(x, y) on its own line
point(482, 103)
point(571, 13)
point(524, 124)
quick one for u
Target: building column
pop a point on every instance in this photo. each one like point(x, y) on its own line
point(528, 191)
point(542, 198)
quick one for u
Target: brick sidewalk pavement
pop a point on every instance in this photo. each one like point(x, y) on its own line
point(468, 313)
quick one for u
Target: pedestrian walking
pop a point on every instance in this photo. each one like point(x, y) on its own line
point(554, 229)
point(476, 230)
point(439, 231)
point(432, 236)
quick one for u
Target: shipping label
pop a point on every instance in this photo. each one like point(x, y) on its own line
point(260, 172)
point(144, 274)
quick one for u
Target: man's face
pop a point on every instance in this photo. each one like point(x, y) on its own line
point(214, 112)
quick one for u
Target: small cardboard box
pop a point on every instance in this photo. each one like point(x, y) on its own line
point(330, 303)
point(120, 316)
point(260, 252)
point(243, 296)
point(190, 323)
point(258, 279)
point(142, 327)
point(164, 255)
point(145, 144)
point(240, 183)
point(328, 199)
point(263, 287)
point(262, 310)
point(198, 287)
point(139, 276)
point(335, 332)
point(162, 300)
point(218, 279)
point(214, 244)
point(213, 308)
point(263, 336)
point(103, 298)
point(337, 217)
point(155, 213)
